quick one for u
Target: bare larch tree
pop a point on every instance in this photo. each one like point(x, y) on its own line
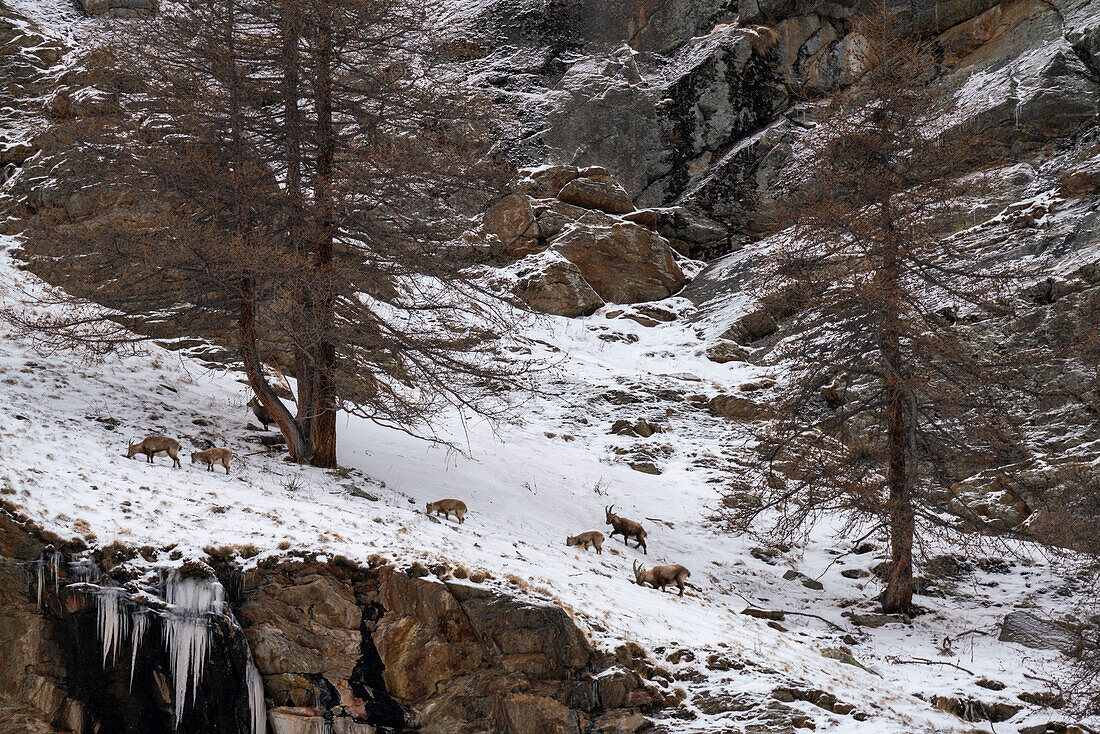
point(893, 379)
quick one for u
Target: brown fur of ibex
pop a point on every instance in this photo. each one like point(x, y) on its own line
point(592, 538)
point(154, 445)
point(626, 528)
point(212, 456)
point(762, 38)
point(261, 413)
point(447, 507)
point(661, 576)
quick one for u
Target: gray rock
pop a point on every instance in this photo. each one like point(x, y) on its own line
point(1030, 630)
point(875, 620)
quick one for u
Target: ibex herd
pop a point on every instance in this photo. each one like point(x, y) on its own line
point(658, 576)
point(164, 446)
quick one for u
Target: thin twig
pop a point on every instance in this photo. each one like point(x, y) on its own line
point(925, 661)
point(832, 624)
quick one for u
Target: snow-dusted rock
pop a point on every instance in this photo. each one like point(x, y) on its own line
point(556, 286)
point(605, 195)
point(623, 262)
point(1031, 630)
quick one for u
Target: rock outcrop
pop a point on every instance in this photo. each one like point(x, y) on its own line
point(583, 243)
point(623, 262)
point(336, 647)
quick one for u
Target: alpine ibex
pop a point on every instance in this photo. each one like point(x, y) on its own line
point(661, 576)
point(156, 446)
point(212, 456)
point(626, 528)
point(592, 538)
point(447, 507)
point(261, 413)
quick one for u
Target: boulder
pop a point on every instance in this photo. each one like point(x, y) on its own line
point(752, 327)
point(556, 286)
point(727, 351)
point(1030, 630)
point(735, 407)
point(545, 182)
point(593, 193)
point(624, 263)
point(512, 221)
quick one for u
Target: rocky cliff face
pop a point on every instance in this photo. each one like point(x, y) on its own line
point(102, 641)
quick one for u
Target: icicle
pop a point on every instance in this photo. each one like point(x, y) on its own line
point(55, 567)
point(187, 631)
point(85, 571)
point(111, 621)
point(40, 571)
point(256, 697)
point(137, 633)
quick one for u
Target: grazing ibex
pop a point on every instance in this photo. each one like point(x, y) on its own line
point(592, 538)
point(626, 528)
point(212, 456)
point(661, 576)
point(446, 507)
point(155, 446)
point(261, 413)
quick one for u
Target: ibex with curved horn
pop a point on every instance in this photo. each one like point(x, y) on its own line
point(661, 576)
point(626, 528)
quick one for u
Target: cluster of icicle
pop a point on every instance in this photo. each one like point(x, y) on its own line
point(187, 630)
point(193, 603)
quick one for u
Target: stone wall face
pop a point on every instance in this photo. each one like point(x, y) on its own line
point(360, 650)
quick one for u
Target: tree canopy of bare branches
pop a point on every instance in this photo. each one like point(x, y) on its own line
point(289, 178)
point(895, 380)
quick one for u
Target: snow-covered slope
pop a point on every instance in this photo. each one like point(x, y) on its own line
point(66, 422)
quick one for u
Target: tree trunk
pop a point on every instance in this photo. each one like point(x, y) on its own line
point(253, 367)
point(900, 518)
point(898, 597)
point(323, 435)
point(303, 360)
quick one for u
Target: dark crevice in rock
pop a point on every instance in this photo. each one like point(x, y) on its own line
point(368, 683)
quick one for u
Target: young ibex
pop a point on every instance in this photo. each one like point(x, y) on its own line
point(626, 528)
point(212, 456)
point(661, 576)
point(446, 507)
point(155, 446)
point(261, 413)
point(592, 538)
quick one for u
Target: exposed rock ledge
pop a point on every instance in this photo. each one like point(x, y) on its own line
point(339, 647)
